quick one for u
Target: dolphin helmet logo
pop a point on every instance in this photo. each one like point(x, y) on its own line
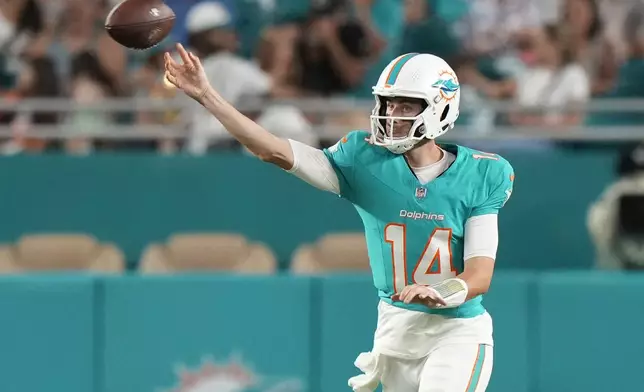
point(447, 85)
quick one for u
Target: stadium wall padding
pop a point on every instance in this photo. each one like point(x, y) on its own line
point(564, 331)
point(134, 200)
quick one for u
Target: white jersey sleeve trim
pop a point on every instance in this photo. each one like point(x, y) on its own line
point(312, 165)
point(481, 236)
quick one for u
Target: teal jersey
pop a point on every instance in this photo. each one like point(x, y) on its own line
point(415, 231)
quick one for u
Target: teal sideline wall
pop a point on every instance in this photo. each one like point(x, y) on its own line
point(136, 199)
point(554, 332)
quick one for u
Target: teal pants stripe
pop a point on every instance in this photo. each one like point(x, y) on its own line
point(476, 370)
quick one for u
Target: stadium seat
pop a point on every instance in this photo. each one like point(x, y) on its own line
point(332, 253)
point(217, 252)
point(60, 252)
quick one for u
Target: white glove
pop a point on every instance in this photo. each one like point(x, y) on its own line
point(371, 365)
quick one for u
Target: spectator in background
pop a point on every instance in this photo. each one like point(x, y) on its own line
point(21, 21)
point(182, 8)
point(325, 55)
point(425, 32)
point(330, 52)
point(583, 27)
point(383, 21)
point(629, 81)
point(38, 79)
point(613, 14)
point(491, 26)
point(9, 15)
point(554, 80)
point(149, 82)
point(211, 34)
point(490, 33)
point(250, 16)
point(90, 84)
point(79, 29)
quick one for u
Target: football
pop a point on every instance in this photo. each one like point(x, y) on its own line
point(140, 24)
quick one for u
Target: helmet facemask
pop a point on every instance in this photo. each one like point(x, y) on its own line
point(383, 126)
point(416, 76)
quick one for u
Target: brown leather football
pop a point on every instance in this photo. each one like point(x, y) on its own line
point(140, 24)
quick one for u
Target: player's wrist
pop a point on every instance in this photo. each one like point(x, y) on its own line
point(453, 290)
point(204, 95)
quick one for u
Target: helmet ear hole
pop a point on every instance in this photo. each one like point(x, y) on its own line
point(445, 112)
point(383, 106)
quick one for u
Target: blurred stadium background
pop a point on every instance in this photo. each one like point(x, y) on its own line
point(143, 250)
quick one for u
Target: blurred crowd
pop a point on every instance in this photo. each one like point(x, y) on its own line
point(547, 56)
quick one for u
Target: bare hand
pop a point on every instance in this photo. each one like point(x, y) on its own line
point(420, 294)
point(189, 76)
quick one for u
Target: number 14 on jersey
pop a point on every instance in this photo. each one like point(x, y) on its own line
point(434, 265)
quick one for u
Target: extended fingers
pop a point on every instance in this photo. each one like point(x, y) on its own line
point(190, 61)
point(399, 295)
point(171, 67)
point(172, 79)
point(414, 292)
point(195, 59)
point(185, 57)
point(405, 292)
point(419, 294)
point(170, 63)
point(405, 295)
point(432, 295)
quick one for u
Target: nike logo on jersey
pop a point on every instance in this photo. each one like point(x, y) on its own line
point(415, 215)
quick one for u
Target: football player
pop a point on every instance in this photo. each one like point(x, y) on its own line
point(429, 213)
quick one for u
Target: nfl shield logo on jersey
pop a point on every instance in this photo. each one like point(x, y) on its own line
point(421, 192)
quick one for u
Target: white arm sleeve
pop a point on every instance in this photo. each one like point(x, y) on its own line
point(311, 165)
point(481, 236)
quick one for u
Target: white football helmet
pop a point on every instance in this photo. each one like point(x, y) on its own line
point(421, 76)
